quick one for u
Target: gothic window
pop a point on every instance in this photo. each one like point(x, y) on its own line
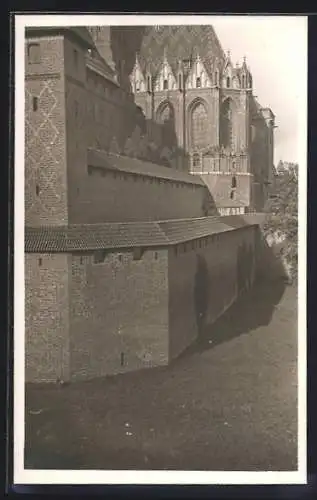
point(34, 54)
point(199, 126)
point(180, 82)
point(166, 114)
point(165, 85)
point(137, 86)
point(226, 133)
point(243, 81)
point(198, 82)
point(216, 78)
point(228, 82)
point(149, 84)
point(196, 160)
point(234, 182)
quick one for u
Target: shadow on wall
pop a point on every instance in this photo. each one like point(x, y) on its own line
point(251, 310)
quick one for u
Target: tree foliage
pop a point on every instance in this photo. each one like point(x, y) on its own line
point(282, 217)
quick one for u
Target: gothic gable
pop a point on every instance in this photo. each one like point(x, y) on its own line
point(165, 78)
point(137, 78)
point(198, 76)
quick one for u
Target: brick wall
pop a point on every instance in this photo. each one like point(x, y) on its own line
point(118, 308)
point(46, 317)
point(204, 280)
point(123, 197)
point(45, 157)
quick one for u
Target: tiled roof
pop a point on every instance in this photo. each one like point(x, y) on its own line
point(179, 43)
point(112, 235)
point(103, 159)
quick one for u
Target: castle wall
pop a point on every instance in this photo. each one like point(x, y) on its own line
point(220, 184)
point(205, 277)
point(119, 313)
point(112, 196)
point(45, 134)
point(46, 317)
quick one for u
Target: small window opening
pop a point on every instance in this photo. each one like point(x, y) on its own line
point(37, 189)
point(120, 257)
point(198, 82)
point(234, 182)
point(35, 103)
point(232, 194)
point(137, 253)
point(180, 83)
point(149, 86)
point(122, 359)
point(228, 82)
point(155, 255)
point(34, 53)
point(99, 256)
point(40, 262)
point(81, 260)
point(165, 85)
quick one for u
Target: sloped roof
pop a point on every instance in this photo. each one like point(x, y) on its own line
point(179, 43)
point(127, 164)
point(112, 235)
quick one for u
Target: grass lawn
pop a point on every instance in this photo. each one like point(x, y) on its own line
point(228, 403)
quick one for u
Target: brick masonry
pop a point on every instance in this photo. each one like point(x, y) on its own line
point(47, 317)
point(87, 319)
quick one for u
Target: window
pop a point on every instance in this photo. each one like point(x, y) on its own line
point(75, 55)
point(155, 255)
point(35, 103)
point(99, 256)
point(165, 85)
point(34, 54)
point(243, 81)
point(196, 160)
point(137, 86)
point(81, 260)
point(40, 262)
point(37, 189)
point(232, 194)
point(149, 84)
point(180, 83)
point(234, 182)
point(199, 126)
point(120, 257)
point(198, 82)
point(228, 82)
point(137, 253)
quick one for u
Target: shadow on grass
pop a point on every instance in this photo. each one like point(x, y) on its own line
point(253, 309)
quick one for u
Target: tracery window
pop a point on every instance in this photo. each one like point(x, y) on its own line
point(226, 133)
point(199, 126)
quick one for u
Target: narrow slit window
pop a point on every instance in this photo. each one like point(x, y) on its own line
point(180, 83)
point(228, 82)
point(165, 84)
point(37, 190)
point(35, 103)
point(198, 82)
point(40, 262)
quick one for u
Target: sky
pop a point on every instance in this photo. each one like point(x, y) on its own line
point(276, 52)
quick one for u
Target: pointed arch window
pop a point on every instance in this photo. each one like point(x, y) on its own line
point(199, 126)
point(198, 82)
point(165, 84)
point(180, 81)
point(149, 84)
point(228, 82)
point(243, 81)
point(226, 132)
